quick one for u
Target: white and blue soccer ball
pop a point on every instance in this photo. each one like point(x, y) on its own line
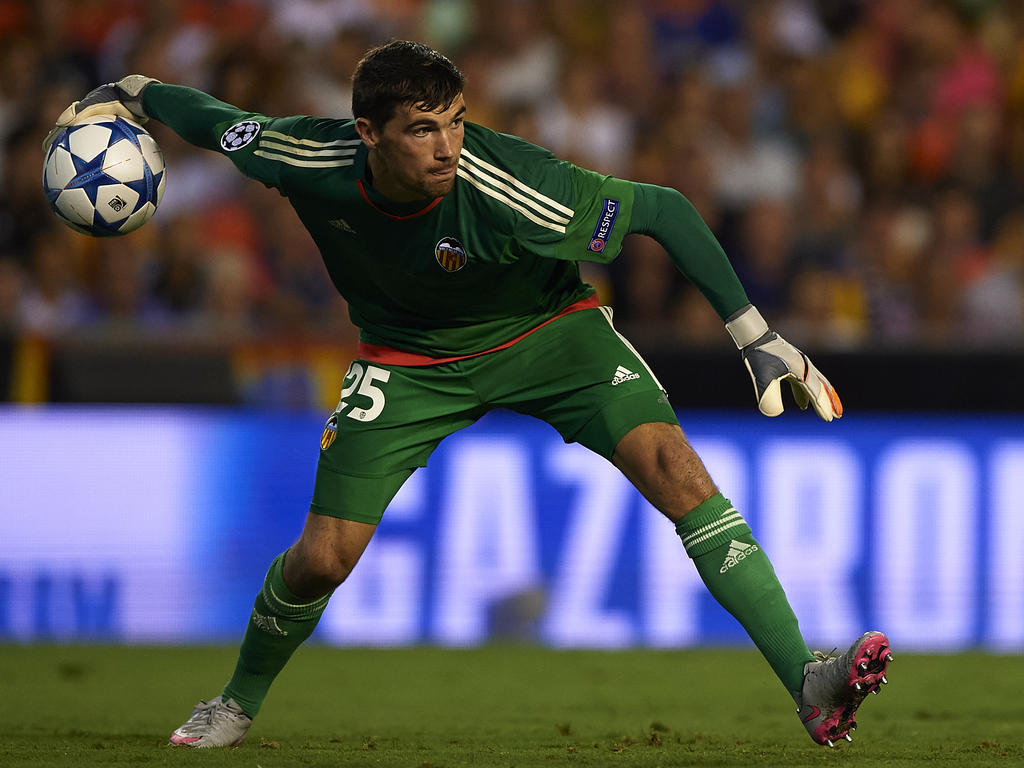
point(104, 176)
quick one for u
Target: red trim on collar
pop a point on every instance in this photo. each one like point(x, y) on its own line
point(378, 353)
point(373, 205)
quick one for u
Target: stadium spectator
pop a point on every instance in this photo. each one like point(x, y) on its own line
point(529, 54)
point(827, 207)
point(892, 250)
point(314, 24)
point(763, 255)
point(124, 299)
point(582, 125)
point(748, 165)
point(817, 313)
point(12, 281)
point(229, 307)
point(53, 302)
point(179, 281)
point(993, 304)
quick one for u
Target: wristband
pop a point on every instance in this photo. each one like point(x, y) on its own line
point(746, 326)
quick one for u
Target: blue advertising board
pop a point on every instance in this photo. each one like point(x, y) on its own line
point(157, 525)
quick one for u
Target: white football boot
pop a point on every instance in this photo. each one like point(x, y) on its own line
point(834, 686)
point(214, 723)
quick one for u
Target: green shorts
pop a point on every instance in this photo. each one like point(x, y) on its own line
point(576, 373)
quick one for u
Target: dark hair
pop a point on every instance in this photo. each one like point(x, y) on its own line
point(403, 72)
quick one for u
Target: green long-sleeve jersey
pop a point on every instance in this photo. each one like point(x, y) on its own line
point(496, 257)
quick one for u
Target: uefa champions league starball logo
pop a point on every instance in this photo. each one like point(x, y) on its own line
point(238, 135)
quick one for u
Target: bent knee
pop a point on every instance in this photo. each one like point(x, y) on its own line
point(661, 454)
point(661, 463)
point(677, 465)
point(314, 573)
point(325, 554)
point(332, 569)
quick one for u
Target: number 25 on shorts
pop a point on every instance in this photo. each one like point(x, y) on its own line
point(363, 381)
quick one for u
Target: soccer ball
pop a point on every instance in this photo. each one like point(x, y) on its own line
point(104, 176)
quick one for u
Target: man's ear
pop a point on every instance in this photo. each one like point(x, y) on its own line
point(367, 132)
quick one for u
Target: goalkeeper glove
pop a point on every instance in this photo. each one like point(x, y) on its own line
point(772, 360)
point(123, 99)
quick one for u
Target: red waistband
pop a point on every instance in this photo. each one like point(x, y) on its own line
point(378, 353)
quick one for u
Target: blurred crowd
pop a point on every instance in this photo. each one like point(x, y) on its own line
point(862, 162)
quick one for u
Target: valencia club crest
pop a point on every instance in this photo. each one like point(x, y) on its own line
point(330, 432)
point(450, 254)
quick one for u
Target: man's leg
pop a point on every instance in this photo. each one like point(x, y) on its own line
point(369, 447)
point(582, 377)
point(659, 461)
point(295, 592)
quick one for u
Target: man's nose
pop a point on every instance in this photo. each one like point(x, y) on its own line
point(445, 145)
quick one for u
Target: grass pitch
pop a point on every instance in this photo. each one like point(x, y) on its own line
point(496, 706)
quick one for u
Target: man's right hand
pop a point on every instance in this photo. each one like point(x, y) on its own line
point(123, 98)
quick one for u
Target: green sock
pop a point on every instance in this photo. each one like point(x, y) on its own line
point(740, 577)
point(279, 623)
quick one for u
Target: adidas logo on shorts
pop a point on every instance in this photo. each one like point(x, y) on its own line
point(623, 374)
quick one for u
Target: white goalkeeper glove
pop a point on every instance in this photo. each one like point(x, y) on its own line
point(123, 98)
point(772, 360)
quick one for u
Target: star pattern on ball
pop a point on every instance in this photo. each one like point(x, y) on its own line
point(104, 176)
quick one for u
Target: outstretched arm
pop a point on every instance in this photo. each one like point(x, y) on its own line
point(197, 117)
point(667, 216)
point(250, 140)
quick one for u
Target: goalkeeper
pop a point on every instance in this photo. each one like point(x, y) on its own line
point(457, 250)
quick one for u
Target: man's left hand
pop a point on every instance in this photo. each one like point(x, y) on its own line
point(772, 360)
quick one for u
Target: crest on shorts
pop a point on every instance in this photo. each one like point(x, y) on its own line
point(329, 434)
point(238, 135)
point(450, 254)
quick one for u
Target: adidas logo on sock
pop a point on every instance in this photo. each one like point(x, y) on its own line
point(268, 624)
point(623, 374)
point(738, 552)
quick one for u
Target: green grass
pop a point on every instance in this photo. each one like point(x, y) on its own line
point(496, 706)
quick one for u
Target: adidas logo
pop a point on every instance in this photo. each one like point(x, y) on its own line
point(268, 624)
point(343, 225)
point(623, 374)
point(738, 552)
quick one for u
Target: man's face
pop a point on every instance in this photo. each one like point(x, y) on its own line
point(415, 154)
